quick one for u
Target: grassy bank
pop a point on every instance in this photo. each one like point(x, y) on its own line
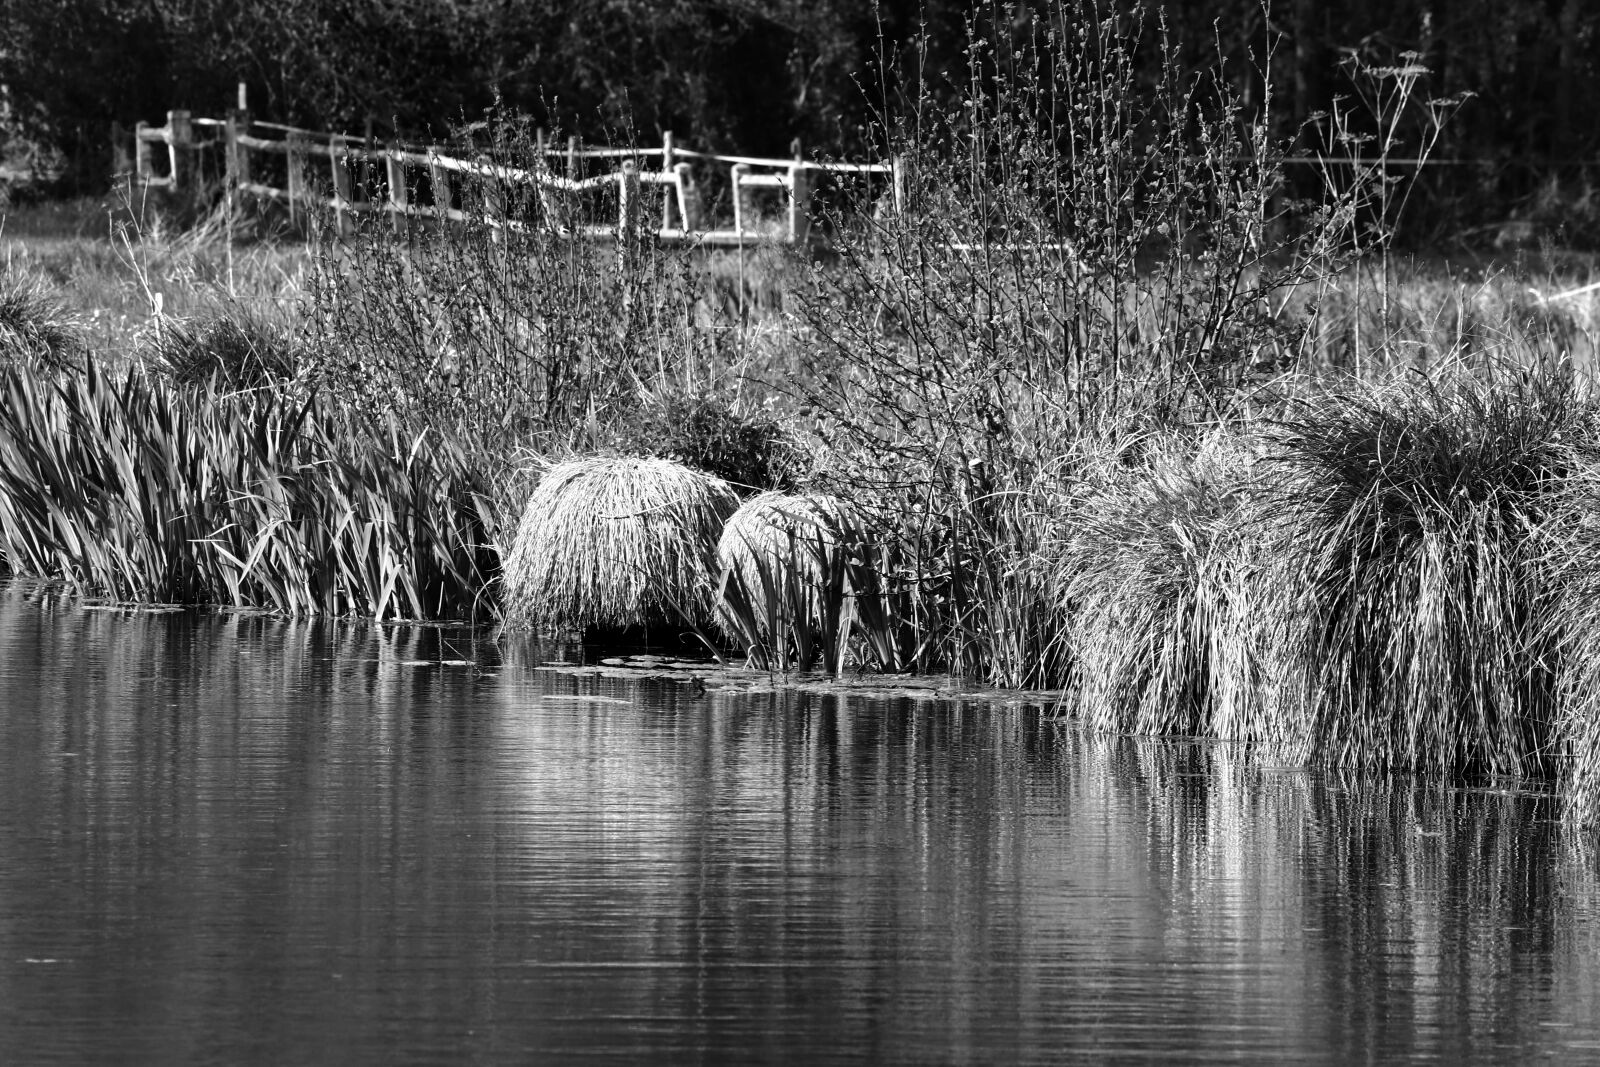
point(1096, 413)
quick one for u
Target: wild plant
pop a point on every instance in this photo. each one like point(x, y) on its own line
point(1077, 254)
point(505, 334)
point(1389, 114)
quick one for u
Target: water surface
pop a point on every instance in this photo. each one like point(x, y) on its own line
point(229, 838)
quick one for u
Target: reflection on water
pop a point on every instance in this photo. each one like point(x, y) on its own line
point(229, 838)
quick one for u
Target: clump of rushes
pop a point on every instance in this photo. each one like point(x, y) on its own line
point(133, 488)
point(609, 543)
point(1156, 582)
point(35, 328)
point(786, 562)
point(1409, 594)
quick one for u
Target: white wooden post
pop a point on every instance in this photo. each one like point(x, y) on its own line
point(296, 156)
point(628, 212)
point(439, 178)
point(688, 198)
point(799, 198)
point(343, 194)
point(739, 171)
point(237, 125)
point(141, 153)
point(180, 148)
point(494, 200)
point(399, 205)
point(671, 216)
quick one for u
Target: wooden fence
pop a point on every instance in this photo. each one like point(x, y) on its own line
point(360, 176)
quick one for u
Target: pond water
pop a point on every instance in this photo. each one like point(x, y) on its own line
point(230, 838)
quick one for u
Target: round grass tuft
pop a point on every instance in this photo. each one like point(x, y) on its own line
point(612, 542)
point(785, 561)
point(36, 328)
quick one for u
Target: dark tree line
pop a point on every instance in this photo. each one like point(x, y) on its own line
point(752, 74)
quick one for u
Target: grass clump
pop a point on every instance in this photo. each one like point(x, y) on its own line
point(36, 328)
point(1155, 579)
point(610, 543)
point(787, 564)
point(1410, 589)
point(238, 350)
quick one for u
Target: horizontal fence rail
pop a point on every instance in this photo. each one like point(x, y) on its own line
point(350, 176)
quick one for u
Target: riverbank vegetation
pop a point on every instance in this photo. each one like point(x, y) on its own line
point(1102, 410)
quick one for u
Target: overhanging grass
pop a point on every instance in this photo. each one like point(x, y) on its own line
point(615, 542)
point(786, 562)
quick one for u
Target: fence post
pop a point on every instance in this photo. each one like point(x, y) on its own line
point(399, 205)
point(141, 152)
point(296, 174)
point(897, 180)
point(494, 200)
point(669, 203)
point(739, 171)
point(439, 178)
point(688, 199)
point(237, 159)
point(799, 198)
point(343, 192)
point(180, 148)
point(628, 213)
point(121, 161)
point(572, 158)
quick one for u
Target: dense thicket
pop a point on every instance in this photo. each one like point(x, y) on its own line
point(752, 74)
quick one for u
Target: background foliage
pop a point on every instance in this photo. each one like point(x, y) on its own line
point(752, 74)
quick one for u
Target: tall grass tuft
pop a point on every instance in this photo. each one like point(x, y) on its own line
point(1409, 592)
point(610, 543)
point(786, 591)
point(1156, 580)
point(36, 328)
point(239, 349)
point(140, 490)
point(1574, 554)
